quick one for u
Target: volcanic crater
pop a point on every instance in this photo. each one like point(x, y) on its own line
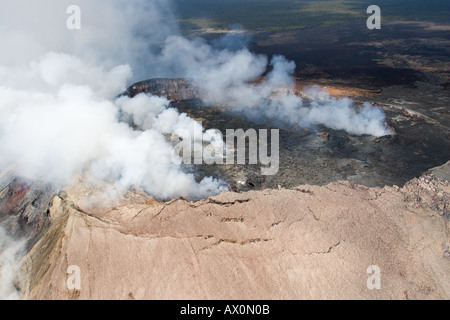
point(317, 155)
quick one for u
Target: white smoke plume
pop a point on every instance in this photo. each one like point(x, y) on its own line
point(227, 77)
point(11, 253)
point(113, 32)
point(54, 132)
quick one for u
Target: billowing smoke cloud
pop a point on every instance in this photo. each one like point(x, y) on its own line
point(54, 132)
point(57, 112)
point(11, 253)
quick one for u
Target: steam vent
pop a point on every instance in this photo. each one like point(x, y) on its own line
point(108, 185)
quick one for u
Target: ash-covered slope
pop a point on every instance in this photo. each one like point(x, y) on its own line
point(309, 243)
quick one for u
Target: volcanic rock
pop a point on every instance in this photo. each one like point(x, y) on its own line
point(172, 89)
